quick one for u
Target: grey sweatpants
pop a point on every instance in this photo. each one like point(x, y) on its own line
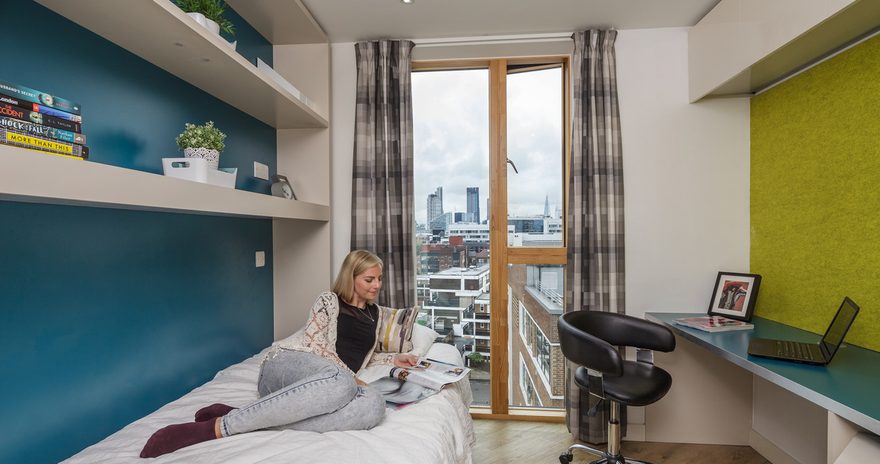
point(303, 391)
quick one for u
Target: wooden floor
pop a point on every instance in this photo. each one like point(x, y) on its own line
point(516, 442)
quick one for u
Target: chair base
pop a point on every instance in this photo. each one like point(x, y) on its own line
point(605, 458)
point(612, 455)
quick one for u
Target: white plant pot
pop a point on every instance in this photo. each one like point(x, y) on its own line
point(208, 24)
point(199, 18)
point(209, 155)
point(213, 26)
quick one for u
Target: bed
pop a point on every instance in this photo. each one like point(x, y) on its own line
point(437, 429)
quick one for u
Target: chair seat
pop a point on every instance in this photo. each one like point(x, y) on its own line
point(641, 383)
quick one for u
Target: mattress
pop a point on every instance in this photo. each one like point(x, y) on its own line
point(437, 429)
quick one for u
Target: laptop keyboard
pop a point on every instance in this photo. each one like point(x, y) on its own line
point(795, 350)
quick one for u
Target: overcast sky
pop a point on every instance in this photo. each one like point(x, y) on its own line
point(451, 139)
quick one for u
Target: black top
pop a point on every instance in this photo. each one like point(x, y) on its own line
point(355, 333)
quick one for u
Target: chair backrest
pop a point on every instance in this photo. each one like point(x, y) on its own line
point(589, 338)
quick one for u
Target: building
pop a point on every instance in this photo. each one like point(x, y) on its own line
point(435, 205)
point(537, 368)
point(449, 294)
point(435, 257)
point(473, 204)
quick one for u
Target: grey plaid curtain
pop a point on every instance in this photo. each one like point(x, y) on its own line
point(595, 270)
point(382, 181)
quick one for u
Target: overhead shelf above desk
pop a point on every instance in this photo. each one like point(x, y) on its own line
point(741, 48)
point(31, 176)
point(159, 32)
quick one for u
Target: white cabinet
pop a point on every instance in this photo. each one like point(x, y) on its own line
point(742, 46)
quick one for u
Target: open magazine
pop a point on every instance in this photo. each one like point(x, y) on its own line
point(714, 323)
point(431, 373)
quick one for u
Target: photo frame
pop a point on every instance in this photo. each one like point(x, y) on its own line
point(734, 295)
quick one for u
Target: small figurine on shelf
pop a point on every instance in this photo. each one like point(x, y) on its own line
point(205, 141)
point(281, 187)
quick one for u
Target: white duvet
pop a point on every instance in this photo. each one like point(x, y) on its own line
point(437, 429)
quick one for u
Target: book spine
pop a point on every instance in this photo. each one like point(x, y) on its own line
point(42, 131)
point(42, 98)
point(36, 107)
point(26, 114)
point(10, 137)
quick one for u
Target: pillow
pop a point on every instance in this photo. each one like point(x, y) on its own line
point(395, 329)
point(422, 338)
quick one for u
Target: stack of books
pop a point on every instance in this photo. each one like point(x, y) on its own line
point(41, 121)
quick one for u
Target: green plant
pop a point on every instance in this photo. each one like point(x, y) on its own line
point(206, 135)
point(212, 9)
point(475, 358)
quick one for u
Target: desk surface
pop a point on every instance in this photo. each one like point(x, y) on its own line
point(849, 386)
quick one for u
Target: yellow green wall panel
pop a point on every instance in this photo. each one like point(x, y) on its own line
point(815, 194)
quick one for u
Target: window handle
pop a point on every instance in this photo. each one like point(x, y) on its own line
point(512, 165)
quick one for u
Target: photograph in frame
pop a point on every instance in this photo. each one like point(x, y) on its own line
point(734, 295)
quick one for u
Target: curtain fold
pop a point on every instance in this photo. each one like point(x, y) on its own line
point(595, 270)
point(382, 180)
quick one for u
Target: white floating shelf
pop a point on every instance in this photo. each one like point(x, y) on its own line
point(159, 32)
point(33, 176)
point(282, 22)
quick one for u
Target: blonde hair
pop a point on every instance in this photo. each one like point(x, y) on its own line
point(355, 264)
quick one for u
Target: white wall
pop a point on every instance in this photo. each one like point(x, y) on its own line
point(686, 177)
point(686, 171)
point(343, 84)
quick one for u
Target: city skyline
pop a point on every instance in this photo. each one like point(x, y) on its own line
point(451, 139)
point(435, 203)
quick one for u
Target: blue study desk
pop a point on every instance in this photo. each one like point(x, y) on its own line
point(848, 388)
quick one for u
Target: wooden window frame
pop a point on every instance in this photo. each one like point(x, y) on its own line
point(500, 254)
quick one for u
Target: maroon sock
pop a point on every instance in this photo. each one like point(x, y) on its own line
point(174, 437)
point(212, 412)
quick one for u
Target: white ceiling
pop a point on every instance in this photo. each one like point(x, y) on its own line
point(354, 20)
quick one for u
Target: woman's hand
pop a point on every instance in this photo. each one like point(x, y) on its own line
point(405, 360)
point(360, 382)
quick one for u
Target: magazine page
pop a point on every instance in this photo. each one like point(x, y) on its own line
point(431, 373)
point(713, 323)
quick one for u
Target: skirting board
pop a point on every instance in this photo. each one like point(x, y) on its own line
point(771, 452)
point(634, 432)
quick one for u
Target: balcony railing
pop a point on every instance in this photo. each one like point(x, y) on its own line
point(475, 315)
point(551, 294)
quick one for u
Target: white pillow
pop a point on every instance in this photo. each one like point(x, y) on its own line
point(422, 339)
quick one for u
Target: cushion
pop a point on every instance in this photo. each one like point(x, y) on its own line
point(422, 339)
point(395, 329)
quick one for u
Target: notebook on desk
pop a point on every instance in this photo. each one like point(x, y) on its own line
point(810, 353)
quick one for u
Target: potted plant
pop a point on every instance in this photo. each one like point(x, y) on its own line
point(475, 359)
point(204, 141)
point(208, 13)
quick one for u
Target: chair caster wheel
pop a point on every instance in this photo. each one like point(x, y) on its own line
point(565, 458)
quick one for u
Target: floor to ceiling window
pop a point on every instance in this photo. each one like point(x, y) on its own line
point(490, 170)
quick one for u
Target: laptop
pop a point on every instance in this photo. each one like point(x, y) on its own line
point(810, 353)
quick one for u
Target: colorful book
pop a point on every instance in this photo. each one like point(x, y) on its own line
point(42, 98)
point(42, 131)
point(17, 139)
point(714, 323)
point(25, 114)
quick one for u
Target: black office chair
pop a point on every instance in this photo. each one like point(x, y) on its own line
point(589, 339)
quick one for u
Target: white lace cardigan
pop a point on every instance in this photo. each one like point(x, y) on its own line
point(319, 335)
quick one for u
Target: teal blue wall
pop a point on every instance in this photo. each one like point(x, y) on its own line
point(105, 315)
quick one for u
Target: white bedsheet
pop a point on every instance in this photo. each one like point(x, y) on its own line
point(437, 429)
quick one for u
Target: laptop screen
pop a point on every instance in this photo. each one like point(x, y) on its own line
point(839, 326)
